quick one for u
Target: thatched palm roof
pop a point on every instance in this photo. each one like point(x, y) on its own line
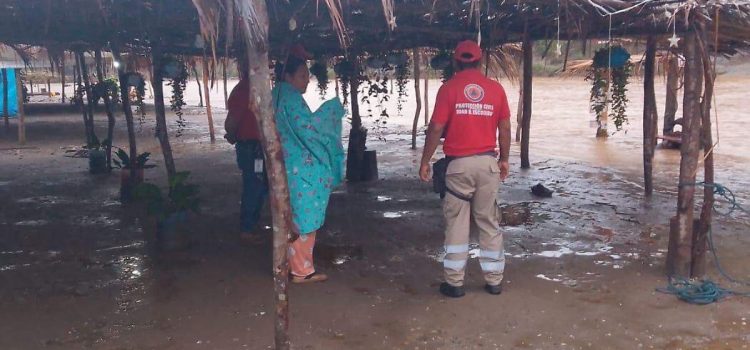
point(362, 25)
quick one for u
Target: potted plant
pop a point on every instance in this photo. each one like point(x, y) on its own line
point(123, 163)
point(170, 210)
point(97, 156)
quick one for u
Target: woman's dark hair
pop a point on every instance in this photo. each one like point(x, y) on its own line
point(290, 67)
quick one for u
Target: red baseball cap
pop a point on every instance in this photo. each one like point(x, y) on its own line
point(467, 51)
point(297, 50)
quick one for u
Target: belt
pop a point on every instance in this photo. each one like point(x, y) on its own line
point(491, 154)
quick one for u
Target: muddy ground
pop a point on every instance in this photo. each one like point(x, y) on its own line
point(77, 269)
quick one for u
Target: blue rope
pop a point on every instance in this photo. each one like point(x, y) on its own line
point(706, 291)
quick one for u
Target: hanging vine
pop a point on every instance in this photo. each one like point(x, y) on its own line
point(609, 74)
point(176, 71)
point(402, 72)
point(135, 80)
point(344, 71)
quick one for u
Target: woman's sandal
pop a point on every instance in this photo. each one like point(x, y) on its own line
point(311, 278)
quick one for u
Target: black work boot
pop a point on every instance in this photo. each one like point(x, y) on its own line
point(451, 291)
point(494, 290)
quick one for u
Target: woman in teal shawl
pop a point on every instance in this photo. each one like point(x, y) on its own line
point(314, 160)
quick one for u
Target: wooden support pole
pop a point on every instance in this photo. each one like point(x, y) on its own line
point(127, 109)
point(21, 114)
point(650, 117)
point(673, 82)
point(6, 113)
point(107, 106)
point(225, 61)
point(681, 226)
point(417, 94)
point(161, 115)
point(62, 78)
point(567, 52)
point(427, 99)
point(207, 92)
point(281, 212)
point(200, 89)
point(700, 236)
point(528, 56)
point(49, 87)
point(79, 99)
point(89, 96)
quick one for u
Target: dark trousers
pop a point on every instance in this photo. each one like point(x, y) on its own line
point(254, 184)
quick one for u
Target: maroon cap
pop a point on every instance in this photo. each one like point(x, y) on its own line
point(297, 50)
point(467, 51)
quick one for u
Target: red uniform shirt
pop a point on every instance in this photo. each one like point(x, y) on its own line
point(239, 108)
point(470, 106)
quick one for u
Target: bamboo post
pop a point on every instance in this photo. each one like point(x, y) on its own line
point(200, 89)
point(528, 56)
point(700, 236)
point(281, 212)
point(681, 226)
point(650, 117)
point(673, 81)
point(207, 92)
point(6, 114)
point(107, 107)
point(125, 97)
point(21, 114)
point(161, 115)
point(417, 94)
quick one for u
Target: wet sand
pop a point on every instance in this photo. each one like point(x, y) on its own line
point(77, 269)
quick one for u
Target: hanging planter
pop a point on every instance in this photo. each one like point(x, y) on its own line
point(319, 69)
point(609, 74)
point(440, 61)
point(618, 57)
point(397, 59)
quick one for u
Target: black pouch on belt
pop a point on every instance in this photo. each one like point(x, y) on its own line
point(439, 169)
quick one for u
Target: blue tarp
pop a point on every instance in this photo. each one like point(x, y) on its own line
point(12, 98)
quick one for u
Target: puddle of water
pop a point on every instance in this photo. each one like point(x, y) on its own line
point(384, 198)
point(136, 244)
point(395, 214)
point(556, 253)
point(101, 220)
point(32, 223)
point(11, 252)
point(4, 183)
point(43, 200)
point(339, 254)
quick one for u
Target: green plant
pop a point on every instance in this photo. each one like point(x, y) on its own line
point(96, 145)
point(181, 197)
point(123, 160)
point(402, 74)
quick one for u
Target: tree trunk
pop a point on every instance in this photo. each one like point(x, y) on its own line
point(200, 89)
point(6, 114)
point(357, 135)
point(700, 236)
point(528, 56)
point(673, 81)
point(650, 117)
point(681, 230)
point(21, 114)
point(107, 106)
point(519, 113)
point(125, 97)
point(281, 211)
point(89, 94)
point(207, 92)
point(417, 94)
point(161, 115)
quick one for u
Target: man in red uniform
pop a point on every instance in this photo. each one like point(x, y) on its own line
point(472, 112)
point(242, 131)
